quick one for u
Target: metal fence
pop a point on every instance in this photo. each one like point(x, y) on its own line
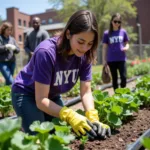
point(134, 52)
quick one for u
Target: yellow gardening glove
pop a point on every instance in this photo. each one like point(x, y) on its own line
point(79, 123)
point(102, 129)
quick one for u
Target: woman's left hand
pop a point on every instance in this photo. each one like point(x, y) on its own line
point(124, 49)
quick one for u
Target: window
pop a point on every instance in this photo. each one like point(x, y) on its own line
point(29, 24)
point(20, 38)
point(24, 23)
point(50, 21)
point(19, 22)
point(43, 22)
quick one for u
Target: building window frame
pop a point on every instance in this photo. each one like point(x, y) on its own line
point(19, 22)
point(20, 38)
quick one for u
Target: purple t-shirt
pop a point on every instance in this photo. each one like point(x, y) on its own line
point(115, 42)
point(48, 67)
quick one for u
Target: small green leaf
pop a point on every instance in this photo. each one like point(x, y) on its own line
point(44, 127)
point(115, 120)
point(54, 143)
point(146, 142)
point(21, 143)
point(67, 138)
point(65, 129)
point(117, 109)
point(127, 113)
point(57, 121)
point(8, 127)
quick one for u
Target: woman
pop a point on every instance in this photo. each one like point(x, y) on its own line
point(115, 45)
point(54, 69)
point(8, 49)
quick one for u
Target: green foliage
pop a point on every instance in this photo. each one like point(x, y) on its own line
point(5, 100)
point(75, 91)
point(130, 72)
point(143, 83)
point(0, 20)
point(141, 69)
point(12, 139)
point(115, 109)
point(84, 139)
point(7, 128)
point(146, 142)
point(143, 90)
point(101, 9)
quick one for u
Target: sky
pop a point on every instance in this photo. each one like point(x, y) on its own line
point(25, 6)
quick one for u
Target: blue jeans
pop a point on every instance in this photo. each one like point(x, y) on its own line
point(7, 69)
point(25, 107)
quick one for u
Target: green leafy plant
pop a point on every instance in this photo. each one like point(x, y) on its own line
point(146, 142)
point(83, 140)
point(48, 136)
point(5, 101)
point(115, 109)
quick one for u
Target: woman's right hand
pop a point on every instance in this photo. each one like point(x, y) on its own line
point(79, 123)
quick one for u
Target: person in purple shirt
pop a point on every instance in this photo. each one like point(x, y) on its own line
point(55, 67)
point(115, 45)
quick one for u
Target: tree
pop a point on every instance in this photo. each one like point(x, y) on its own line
point(103, 10)
point(0, 20)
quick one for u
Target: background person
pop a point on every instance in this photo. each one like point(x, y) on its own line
point(8, 49)
point(115, 45)
point(34, 37)
point(55, 67)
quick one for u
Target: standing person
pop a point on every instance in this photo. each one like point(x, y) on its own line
point(55, 67)
point(34, 37)
point(115, 45)
point(8, 49)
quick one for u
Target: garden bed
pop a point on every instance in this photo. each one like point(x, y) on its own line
point(125, 135)
point(129, 131)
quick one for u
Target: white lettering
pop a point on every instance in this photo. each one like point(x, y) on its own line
point(58, 78)
point(120, 39)
point(111, 40)
point(116, 39)
point(62, 77)
point(73, 76)
point(66, 76)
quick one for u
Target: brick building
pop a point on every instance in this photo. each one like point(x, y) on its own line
point(142, 19)
point(51, 23)
point(22, 22)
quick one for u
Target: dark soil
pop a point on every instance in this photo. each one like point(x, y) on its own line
point(127, 134)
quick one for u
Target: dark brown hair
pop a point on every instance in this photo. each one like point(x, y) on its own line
point(80, 21)
point(5, 26)
point(112, 18)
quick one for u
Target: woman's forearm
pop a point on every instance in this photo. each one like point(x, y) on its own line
point(88, 101)
point(49, 107)
point(104, 54)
